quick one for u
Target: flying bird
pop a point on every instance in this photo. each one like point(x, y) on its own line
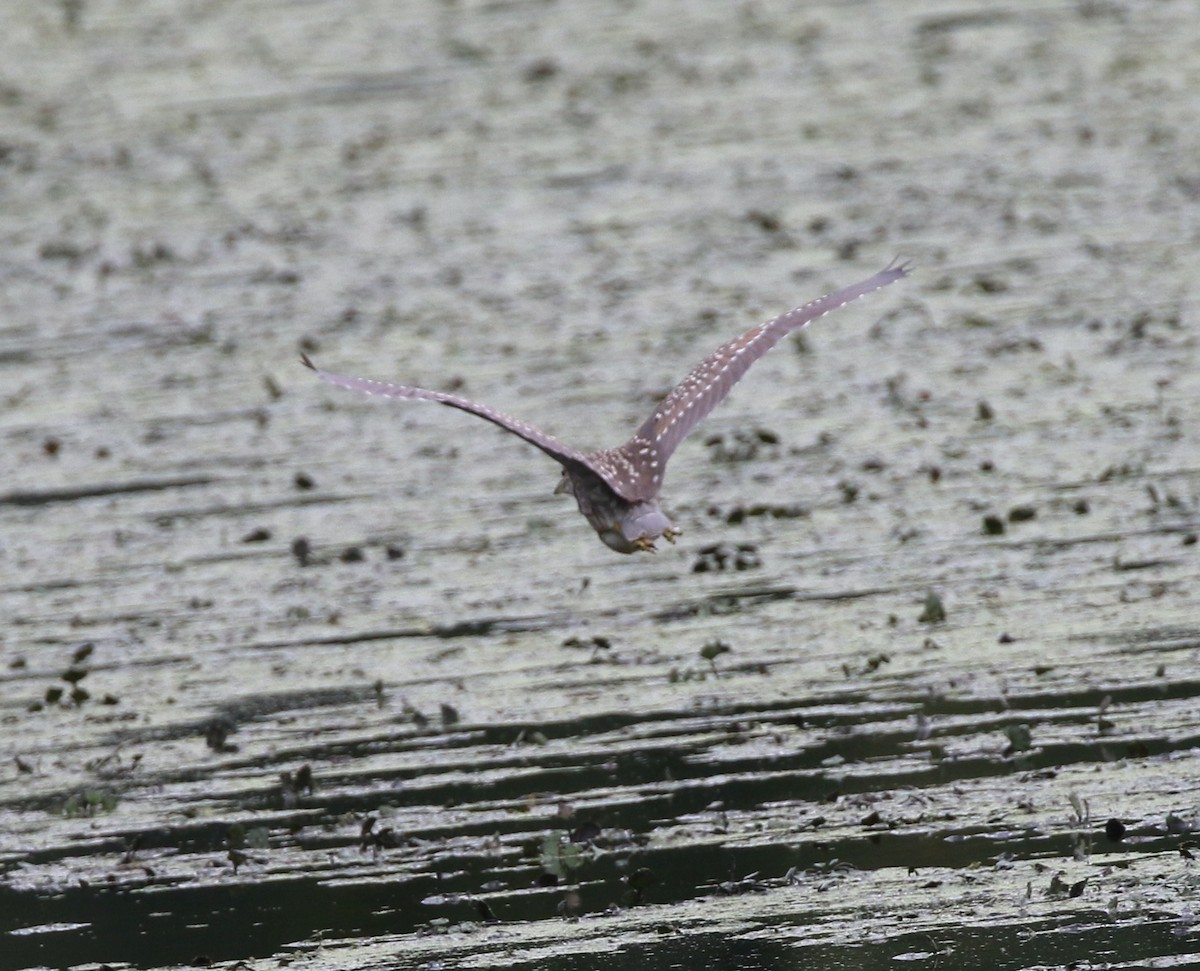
point(617, 488)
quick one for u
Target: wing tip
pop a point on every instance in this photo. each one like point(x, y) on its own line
point(307, 362)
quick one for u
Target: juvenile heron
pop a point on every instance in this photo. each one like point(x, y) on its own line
point(617, 488)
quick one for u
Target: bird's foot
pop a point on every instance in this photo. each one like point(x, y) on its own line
point(645, 544)
point(670, 534)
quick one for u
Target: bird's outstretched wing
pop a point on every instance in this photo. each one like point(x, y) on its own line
point(644, 457)
point(561, 453)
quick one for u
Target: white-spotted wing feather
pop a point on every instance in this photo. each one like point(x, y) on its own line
point(534, 436)
point(635, 470)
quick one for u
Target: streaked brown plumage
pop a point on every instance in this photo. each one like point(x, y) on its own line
point(617, 488)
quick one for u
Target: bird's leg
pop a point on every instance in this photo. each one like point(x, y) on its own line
point(670, 533)
point(645, 544)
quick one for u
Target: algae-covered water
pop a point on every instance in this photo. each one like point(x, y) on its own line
point(293, 677)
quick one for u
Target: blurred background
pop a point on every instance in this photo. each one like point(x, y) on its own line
point(269, 648)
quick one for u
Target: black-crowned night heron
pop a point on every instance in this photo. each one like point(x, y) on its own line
point(617, 488)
